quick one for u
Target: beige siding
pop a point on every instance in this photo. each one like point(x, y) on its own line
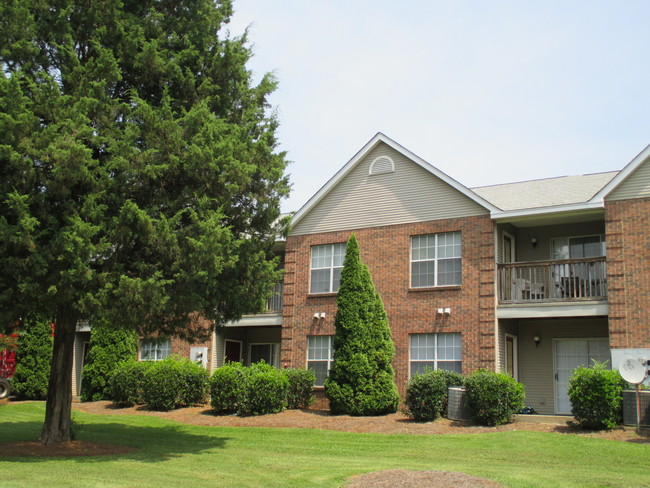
point(77, 366)
point(410, 194)
point(542, 251)
point(637, 185)
point(536, 363)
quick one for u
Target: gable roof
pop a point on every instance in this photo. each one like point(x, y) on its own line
point(364, 151)
point(549, 192)
point(615, 182)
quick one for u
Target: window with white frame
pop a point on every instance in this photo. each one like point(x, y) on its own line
point(326, 265)
point(436, 351)
point(155, 349)
point(320, 356)
point(578, 247)
point(436, 260)
point(270, 353)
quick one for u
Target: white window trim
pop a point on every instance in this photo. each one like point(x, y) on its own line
point(435, 261)
point(156, 358)
point(371, 170)
point(436, 360)
point(275, 352)
point(330, 355)
point(331, 267)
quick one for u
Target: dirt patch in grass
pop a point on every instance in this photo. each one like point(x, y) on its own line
point(401, 478)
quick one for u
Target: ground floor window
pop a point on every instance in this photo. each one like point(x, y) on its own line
point(155, 349)
point(320, 354)
point(436, 351)
point(270, 353)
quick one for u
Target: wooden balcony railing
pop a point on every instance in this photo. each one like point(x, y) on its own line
point(274, 304)
point(567, 279)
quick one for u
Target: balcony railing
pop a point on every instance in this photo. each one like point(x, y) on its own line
point(567, 279)
point(274, 304)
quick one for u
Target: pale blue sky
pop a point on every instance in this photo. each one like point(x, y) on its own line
point(487, 91)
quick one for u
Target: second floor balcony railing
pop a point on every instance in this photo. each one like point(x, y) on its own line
point(274, 304)
point(559, 280)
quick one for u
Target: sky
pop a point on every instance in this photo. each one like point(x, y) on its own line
point(489, 92)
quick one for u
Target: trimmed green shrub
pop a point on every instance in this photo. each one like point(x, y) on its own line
point(174, 382)
point(109, 346)
point(195, 382)
point(362, 380)
point(126, 384)
point(264, 390)
point(33, 358)
point(427, 393)
point(225, 387)
point(301, 387)
point(493, 398)
point(596, 396)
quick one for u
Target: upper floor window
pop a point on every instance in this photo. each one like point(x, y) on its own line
point(154, 349)
point(326, 265)
point(578, 247)
point(320, 356)
point(436, 260)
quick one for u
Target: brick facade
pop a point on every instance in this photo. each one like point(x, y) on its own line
point(628, 272)
point(386, 251)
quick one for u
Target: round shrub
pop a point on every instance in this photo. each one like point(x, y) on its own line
point(225, 387)
point(427, 393)
point(33, 358)
point(109, 346)
point(264, 390)
point(301, 387)
point(493, 398)
point(126, 384)
point(195, 379)
point(163, 384)
point(596, 396)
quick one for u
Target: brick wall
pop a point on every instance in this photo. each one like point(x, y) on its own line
point(386, 251)
point(628, 272)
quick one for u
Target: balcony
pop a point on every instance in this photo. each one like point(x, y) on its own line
point(274, 304)
point(552, 281)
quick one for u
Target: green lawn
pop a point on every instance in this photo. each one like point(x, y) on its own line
point(173, 454)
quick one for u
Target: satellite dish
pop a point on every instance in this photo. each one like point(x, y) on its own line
point(632, 370)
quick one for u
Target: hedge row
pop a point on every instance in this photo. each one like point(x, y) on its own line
point(234, 388)
point(493, 398)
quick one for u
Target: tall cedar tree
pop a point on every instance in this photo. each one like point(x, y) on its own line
point(139, 171)
point(362, 380)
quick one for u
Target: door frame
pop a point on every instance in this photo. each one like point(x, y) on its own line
point(241, 349)
point(515, 355)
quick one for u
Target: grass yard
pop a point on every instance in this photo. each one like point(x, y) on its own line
point(173, 454)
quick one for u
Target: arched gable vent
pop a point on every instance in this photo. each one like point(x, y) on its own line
point(382, 164)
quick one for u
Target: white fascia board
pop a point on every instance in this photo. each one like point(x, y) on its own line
point(379, 137)
point(553, 310)
point(556, 209)
point(622, 175)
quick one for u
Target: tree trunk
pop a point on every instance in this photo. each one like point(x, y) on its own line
point(59, 393)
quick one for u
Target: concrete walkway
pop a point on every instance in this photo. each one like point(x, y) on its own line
point(544, 419)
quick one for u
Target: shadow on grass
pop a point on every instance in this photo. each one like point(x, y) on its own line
point(152, 443)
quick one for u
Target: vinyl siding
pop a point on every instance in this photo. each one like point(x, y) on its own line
point(410, 194)
point(637, 185)
point(77, 367)
point(542, 251)
point(536, 364)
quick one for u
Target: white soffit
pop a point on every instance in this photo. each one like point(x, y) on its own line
point(379, 138)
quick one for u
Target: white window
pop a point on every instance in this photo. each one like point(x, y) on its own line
point(154, 349)
point(320, 353)
point(326, 265)
point(578, 247)
point(270, 353)
point(436, 260)
point(436, 351)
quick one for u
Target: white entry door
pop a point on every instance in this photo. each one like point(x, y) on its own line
point(569, 354)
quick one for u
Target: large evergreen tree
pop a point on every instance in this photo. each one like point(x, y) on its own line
point(139, 171)
point(362, 380)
